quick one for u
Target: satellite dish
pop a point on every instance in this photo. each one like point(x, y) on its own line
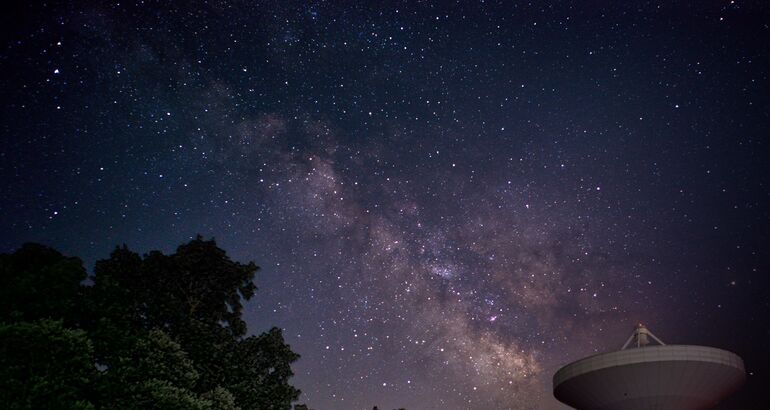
point(643, 375)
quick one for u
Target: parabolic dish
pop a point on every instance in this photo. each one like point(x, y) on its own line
point(652, 377)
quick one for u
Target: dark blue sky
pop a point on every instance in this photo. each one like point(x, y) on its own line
point(448, 200)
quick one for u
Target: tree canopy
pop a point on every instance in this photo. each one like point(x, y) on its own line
point(149, 332)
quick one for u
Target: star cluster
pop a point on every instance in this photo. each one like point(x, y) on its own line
point(449, 200)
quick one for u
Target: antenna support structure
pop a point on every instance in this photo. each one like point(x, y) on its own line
point(642, 336)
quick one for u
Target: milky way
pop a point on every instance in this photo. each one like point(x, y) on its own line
point(448, 201)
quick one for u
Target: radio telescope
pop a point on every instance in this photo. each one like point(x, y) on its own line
point(643, 375)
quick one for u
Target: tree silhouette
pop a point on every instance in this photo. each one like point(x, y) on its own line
point(45, 365)
point(38, 282)
point(157, 332)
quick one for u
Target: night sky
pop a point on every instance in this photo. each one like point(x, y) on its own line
point(449, 201)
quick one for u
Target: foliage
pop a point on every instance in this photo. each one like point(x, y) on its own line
point(199, 282)
point(38, 282)
point(263, 384)
point(44, 365)
point(152, 332)
point(151, 372)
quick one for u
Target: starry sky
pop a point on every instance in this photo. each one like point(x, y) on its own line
point(448, 200)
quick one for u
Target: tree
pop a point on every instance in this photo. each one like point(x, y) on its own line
point(195, 296)
point(263, 382)
point(43, 365)
point(153, 332)
point(220, 399)
point(198, 282)
point(153, 373)
point(38, 282)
